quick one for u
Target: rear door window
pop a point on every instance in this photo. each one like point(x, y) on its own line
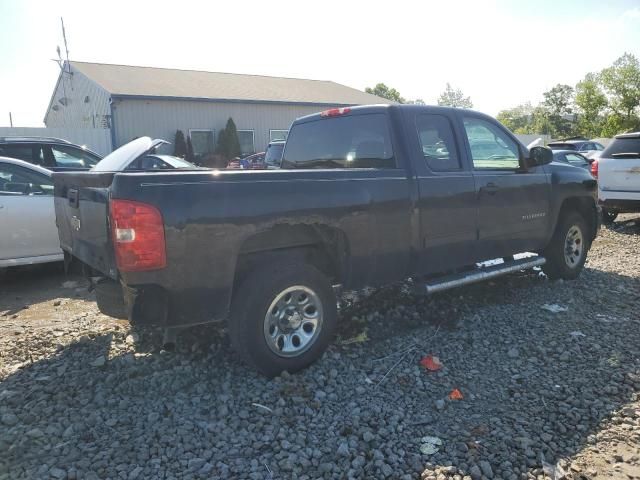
point(437, 142)
point(26, 151)
point(351, 141)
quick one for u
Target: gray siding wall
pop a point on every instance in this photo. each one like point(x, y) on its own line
point(161, 118)
point(87, 103)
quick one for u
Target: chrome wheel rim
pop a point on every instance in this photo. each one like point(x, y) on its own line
point(293, 321)
point(573, 247)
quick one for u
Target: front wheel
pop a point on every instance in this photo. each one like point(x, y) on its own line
point(567, 250)
point(283, 318)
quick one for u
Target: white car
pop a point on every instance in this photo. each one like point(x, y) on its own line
point(618, 174)
point(28, 232)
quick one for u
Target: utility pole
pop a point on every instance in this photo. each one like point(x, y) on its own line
point(10, 120)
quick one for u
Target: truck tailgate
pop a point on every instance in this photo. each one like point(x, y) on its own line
point(620, 175)
point(82, 216)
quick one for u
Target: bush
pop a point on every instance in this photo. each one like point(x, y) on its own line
point(190, 157)
point(228, 142)
point(180, 145)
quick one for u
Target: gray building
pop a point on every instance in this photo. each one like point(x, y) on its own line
point(142, 101)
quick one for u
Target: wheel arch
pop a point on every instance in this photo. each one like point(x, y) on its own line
point(586, 207)
point(320, 245)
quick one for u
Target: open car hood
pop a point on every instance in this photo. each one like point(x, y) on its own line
point(119, 159)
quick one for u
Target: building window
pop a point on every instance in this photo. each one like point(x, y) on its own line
point(247, 145)
point(202, 142)
point(275, 135)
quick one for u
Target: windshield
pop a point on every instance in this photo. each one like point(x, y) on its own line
point(562, 146)
point(176, 162)
point(273, 156)
point(630, 145)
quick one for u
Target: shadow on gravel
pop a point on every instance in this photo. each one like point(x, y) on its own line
point(626, 227)
point(26, 285)
point(533, 392)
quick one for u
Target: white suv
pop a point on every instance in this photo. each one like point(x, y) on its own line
point(618, 174)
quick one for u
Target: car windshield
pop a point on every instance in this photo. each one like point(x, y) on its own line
point(177, 162)
point(562, 146)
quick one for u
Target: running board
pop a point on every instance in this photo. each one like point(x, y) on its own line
point(480, 274)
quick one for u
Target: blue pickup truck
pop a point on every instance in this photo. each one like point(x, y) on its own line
point(365, 196)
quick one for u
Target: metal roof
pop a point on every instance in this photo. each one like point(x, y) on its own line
point(125, 80)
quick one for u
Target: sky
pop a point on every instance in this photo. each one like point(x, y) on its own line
point(500, 53)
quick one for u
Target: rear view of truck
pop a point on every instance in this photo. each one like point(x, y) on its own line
point(618, 173)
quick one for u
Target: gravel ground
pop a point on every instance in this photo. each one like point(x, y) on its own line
point(545, 394)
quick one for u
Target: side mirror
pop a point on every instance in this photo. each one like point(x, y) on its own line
point(539, 156)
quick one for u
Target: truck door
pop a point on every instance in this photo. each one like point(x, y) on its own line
point(446, 193)
point(513, 204)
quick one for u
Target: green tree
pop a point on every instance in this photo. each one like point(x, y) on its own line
point(559, 100)
point(228, 141)
point(518, 119)
point(590, 101)
point(190, 156)
point(381, 90)
point(417, 101)
point(454, 98)
point(179, 145)
point(612, 125)
point(621, 81)
point(559, 104)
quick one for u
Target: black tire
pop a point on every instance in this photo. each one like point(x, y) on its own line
point(254, 297)
point(558, 266)
point(608, 217)
point(110, 299)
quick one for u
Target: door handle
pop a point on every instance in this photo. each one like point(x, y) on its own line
point(490, 188)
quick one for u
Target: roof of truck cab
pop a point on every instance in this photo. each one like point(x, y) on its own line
point(376, 108)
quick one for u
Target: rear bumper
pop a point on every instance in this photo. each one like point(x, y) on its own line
point(620, 205)
point(606, 195)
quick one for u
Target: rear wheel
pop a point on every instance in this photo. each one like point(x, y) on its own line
point(567, 250)
point(608, 217)
point(283, 318)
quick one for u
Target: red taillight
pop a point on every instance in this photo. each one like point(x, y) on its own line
point(334, 112)
point(594, 168)
point(138, 236)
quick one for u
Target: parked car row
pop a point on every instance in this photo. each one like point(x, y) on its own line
point(588, 148)
point(29, 234)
